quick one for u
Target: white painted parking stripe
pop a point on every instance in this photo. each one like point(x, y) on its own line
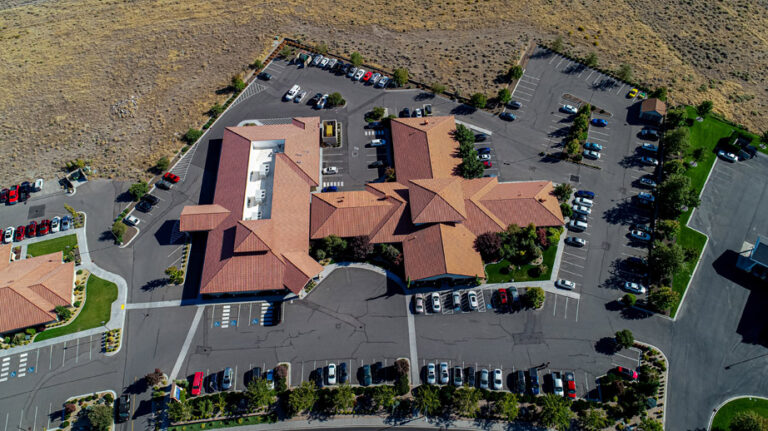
point(590, 74)
point(619, 90)
point(558, 64)
point(523, 93)
point(532, 77)
point(571, 263)
point(598, 133)
point(522, 98)
point(574, 255)
point(553, 59)
point(529, 89)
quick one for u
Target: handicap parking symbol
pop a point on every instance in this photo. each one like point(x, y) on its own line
point(31, 370)
point(255, 321)
point(217, 323)
point(13, 373)
point(233, 323)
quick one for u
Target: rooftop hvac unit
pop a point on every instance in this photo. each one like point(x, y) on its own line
point(253, 201)
point(264, 170)
point(259, 215)
point(255, 176)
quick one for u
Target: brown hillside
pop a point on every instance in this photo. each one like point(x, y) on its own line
point(116, 81)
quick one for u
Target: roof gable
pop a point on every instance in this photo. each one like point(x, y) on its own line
point(437, 200)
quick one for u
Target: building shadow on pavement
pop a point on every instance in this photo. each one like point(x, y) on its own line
point(168, 233)
point(210, 170)
point(194, 267)
point(752, 325)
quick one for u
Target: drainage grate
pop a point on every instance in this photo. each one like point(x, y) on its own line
point(36, 211)
point(574, 178)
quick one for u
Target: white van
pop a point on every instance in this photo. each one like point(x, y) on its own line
point(578, 226)
point(292, 93)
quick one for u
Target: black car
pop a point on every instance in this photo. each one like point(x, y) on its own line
point(153, 200)
point(144, 206)
point(319, 379)
point(514, 105)
point(343, 375)
point(376, 164)
point(637, 262)
point(374, 125)
point(313, 101)
point(3, 196)
point(339, 67)
point(377, 370)
point(481, 137)
point(256, 373)
point(533, 381)
point(405, 113)
point(123, 408)
point(427, 109)
point(213, 382)
point(264, 76)
point(25, 187)
point(650, 134)
point(520, 382)
point(507, 116)
point(165, 185)
point(366, 380)
point(471, 377)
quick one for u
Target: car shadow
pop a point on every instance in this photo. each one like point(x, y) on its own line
point(574, 69)
point(423, 96)
point(463, 109)
point(124, 197)
point(605, 84)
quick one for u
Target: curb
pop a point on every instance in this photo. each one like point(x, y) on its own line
point(666, 380)
point(728, 400)
point(138, 231)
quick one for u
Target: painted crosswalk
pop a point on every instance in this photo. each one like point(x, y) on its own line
point(377, 132)
point(22, 365)
point(268, 313)
point(333, 184)
point(253, 89)
point(225, 316)
point(5, 366)
point(182, 166)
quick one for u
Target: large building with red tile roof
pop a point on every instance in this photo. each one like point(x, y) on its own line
point(31, 289)
point(258, 225)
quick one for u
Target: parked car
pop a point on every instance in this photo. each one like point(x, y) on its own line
point(483, 156)
point(256, 373)
point(435, 302)
point(565, 284)
point(343, 374)
point(632, 93)
point(383, 82)
point(271, 378)
point(316, 61)
point(484, 378)
point(646, 197)
point(427, 109)
point(649, 134)
point(44, 227)
point(367, 76)
point(514, 104)
point(593, 146)
point(649, 161)
point(330, 170)
point(351, 72)
point(472, 300)
point(650, 148)
point(634, 287)
point(378, 142)
point(131, 220)
point(727, 156)
point(19, 234)
point(456, 300)
point(533, 380)
point(418, 303)
point(375, 78)
point(576, 241)
point(507, 116)
point(569, 109)
point(38, 185)
point(514, 296)
point(599, 122)
point(327, 189)
point(3, 196)
point(55, 224)
point(458, 381)
point(165, 185)
point(144, 206)
point(471, 377)
point(319, 379)
point(331, 64)
point(431, 374)
point(581, 209)
point(594, 155)
point(520, 382)
point(483, 150)
point(331, 374)
point(570, 385)
point(578, 226)
point(585, 194)
point(405, 113)
point(31, 230)
point(299, 97)
point(315, 99)
point(557, 384)
point(487, 164)
point(367, 378)
point(321, 103)
point(579, 217)
point(359, 74)
point(291, 93)
point(498, 380)
point(481, 137)
point(503, 300)
point(197, 384)
point(417, 113)
point(66, 222)
point(213, 382)
point(123, 408)
point(647, 182)
point(8, 236)
point(584, 201)
point(627, 372)
point(640, 235)
point(13, 195)
point(226, 379)
point(264, 76)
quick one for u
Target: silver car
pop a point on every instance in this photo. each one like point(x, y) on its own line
point(226, 379)
point(444, 373)
point(484, 379)
point(431, 374)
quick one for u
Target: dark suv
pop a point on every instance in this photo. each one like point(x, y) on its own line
point(123, 408)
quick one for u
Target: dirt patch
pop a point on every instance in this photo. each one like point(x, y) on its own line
point(119, 81)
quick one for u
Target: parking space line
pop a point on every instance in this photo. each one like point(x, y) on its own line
point(574, 264)
point(570, 272)
point(590, 74)
point(599, 133)
point(529, 89)
point(575, 255)
point(532, 77)
point(521, 98)
point(598, 139)
point(577, 309)
point(554, 309)
point(558, 64)
point(619, 90)
point(523, 92)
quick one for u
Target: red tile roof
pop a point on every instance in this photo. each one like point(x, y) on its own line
point(30, 289)
point(268, 254)
point(202, 217)
point(441, 249)
point(424, 148)
point(437, 200)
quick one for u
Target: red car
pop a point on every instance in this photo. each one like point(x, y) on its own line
point(570, 385)
point(13, 195)
point(171, 177)
point(31, 229)
point(487, 163)
point(44, 227)
point(19, 233)
point(197, 383)
point(3, 196)
point(627, 372)
point(367, 76)
point(503, 302)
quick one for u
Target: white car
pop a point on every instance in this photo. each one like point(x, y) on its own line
point(292, 93)
point(584, 202)
point(472, 299)
point(557, 384)
point(418, 303)
point(581, 209)
point(569, 109)
point(418, 113)
point(299, 97)
point(431, 375)
point(383, 82)
point(578, 226)
point(594, 155)
point(8, 237)
point(484, 156)
point(318, 58)
point(321, 103)
point(131, 220)
point(55, 224)
point(634, 287)
point(375, 78)
point(640, 235)
point(359, 74)
point(39, 184)
point(378, 142)
point(330, 170)
point(576, 241)
point(727, 156)
point(435, 302)
point(498, 379)
point(565, 284)
point(483, 379)
point(332, 63)
point(444, 373)
point(331, 374)
point(324, 62)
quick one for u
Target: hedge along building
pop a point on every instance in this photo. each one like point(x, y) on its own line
point(265, 212)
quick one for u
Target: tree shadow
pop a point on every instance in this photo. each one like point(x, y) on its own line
point(124, 197)
point(155, 284)
point(463, 109)
point(560, 133)
point(423, 96)
point(605, 84)
point(631, 313)
point(574, 69)
point(631, 161)
point(144, 408)
point(606, 346)
point(107, 236)
point(624, 212)
point(542, 52)
point(137, 387)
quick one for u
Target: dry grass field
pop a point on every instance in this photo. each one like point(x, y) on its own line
point(117, 81)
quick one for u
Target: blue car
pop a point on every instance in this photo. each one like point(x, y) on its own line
point(593, 146)
point(484, 150)
point(507, 116)
point(585, 194)
point(330, 189)
point(599, 122)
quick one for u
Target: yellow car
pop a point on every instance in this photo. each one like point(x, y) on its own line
point(632, 93)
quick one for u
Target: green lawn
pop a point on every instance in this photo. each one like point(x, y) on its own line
point(722, 421)
point(52, 245)
point(687, 238)
point(226, 423)
point(495, 274)
point(99, 296)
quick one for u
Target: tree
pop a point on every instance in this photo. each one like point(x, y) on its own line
point(625, 72)
point(356, 59)
point(665, 260)
point(216, 110)
point(427, 400)
point(557, 44)
point(478, 100)
point(400, 76)
point(63, 313)
point(259, 394)
point(221, 404)
point(178, 411)
point(764, 137)
point(515, 72)
point(464, 135)
point(335, 99)
point(237, 83)
point(488, 244)
point(302, 398)
point(321, 48)
point(343, 398)
point(663, 298)
point(438, 88)
point(624, 338)
point(649, 424)
point(504, 95)
point(555, 412)
point(747, 420)
point(205, 408)
point(677, 141)
point(192, 135)
point(594, 420)
point(659, 93)
point(471, 166)
point(377, 112)
point(137, 190)
point(287, 51)
point(384, 396)
point(534, 297)
point(704, 108)
point(563, 191)
point(667, 229)
point(676, 117)
point(360, 247)
point(591, 59)
point(257, 64)
point(465, 401)
point(162, 163)
point(154, 377)
point(402, 367)
point(175, 275)
point(566, 209)
point(629, 299)
point(506, 407)
point(673, 167)
point(100, 417)
point(674, 193)
point(333, 245)
point(118, 230)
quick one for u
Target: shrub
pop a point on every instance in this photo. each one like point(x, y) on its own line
point(566, 209)
point(629, 299)
point(402, 385)
point(137, 190)
point(478, 100)
point(31, 331)
point(237, 83)
point(216, 110)
point(76, 304)
point(377, 112)
point(624, 338)
point(257, 64)
point(534, 297)
point(109, 398)
point(64, 424)
point(162, 163)
point(515, 72)
point(192, 135)
point(335, 99)
point(563, 191)
point(400, 76)
point(356, 59)
point(438, 88)
point(63, 313)
point(488, 244)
